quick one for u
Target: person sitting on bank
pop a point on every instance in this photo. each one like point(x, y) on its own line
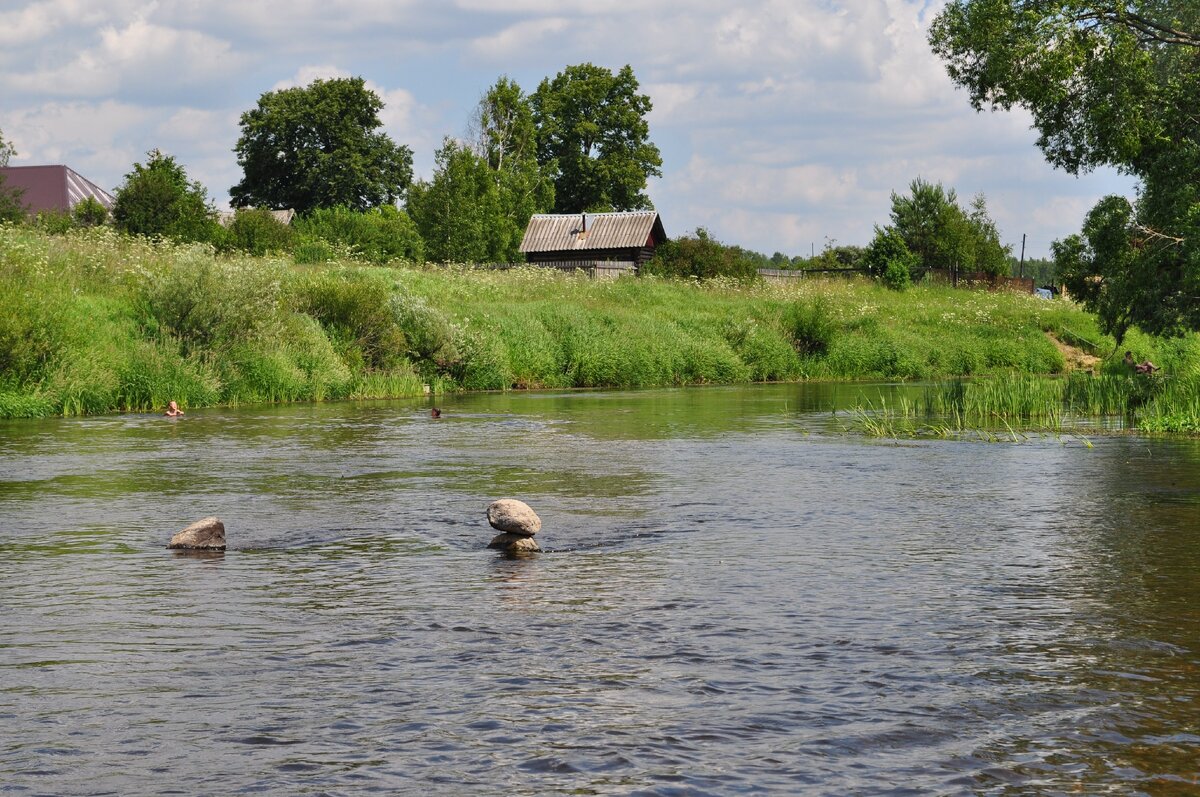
point(173, 410)
point(1146, 367)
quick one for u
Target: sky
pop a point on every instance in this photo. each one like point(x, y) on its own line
point(784, 125)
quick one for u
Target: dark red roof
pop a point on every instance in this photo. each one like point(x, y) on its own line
point(53, 187)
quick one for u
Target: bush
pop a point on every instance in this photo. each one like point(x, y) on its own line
point(206, 303)
point(89, 212)
point(700, 257)
point(380, 235)
point(810, 326)
point(55, 222)
point(889, 260)
point(355, 309)
point(256, 231)
point(310, 251)
point(157, 200)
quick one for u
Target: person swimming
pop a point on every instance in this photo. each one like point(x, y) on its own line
point(173, 410)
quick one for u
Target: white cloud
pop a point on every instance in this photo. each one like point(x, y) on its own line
point(781, 121)
point(518, 39)
point(137, 57)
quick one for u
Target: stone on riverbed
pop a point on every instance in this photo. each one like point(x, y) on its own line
point(514, 543)
point(513, 517)
point(203, 535)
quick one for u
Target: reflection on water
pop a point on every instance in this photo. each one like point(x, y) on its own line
point(739, 597)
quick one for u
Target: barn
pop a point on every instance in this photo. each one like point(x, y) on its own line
point(58, 187)
point(601, 241)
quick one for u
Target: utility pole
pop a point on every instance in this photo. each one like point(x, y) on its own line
point(1022, 255)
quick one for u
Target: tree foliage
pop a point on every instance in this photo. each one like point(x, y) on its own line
point(11, 207)
point(700, 256)
point(459, 212)
point(942, 235)
point(592, 130)
point(158, 200)
point(889, 260)
point(318, 147)
point(379, 235)
point(1108, 82)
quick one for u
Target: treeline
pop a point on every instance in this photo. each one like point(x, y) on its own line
point(579, 142)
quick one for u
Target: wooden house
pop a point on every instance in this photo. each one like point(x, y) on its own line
point(609, 241)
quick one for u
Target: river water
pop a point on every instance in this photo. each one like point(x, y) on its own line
point(738, 597)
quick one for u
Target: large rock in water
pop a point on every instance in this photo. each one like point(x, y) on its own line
point(514, 543)
point(513, 517)
point(203, 535)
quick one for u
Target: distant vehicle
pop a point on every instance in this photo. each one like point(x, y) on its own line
point(1043, 293)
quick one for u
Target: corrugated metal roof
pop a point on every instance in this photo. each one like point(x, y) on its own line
point(53, 187)
point(559, 233)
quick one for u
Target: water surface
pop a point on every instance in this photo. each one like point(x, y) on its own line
point(739, 597)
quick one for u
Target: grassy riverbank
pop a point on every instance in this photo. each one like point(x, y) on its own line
point(92, 322)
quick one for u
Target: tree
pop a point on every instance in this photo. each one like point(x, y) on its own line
point(592, 130)
point(989, 255)
point(458, 212)
point(1108, 82)
point(889, 260)
point(942, 235)
point(157, 199)
point(319, 147)
point(89, 212)
point(504, 136)
point(933, 226)
point(11, 207)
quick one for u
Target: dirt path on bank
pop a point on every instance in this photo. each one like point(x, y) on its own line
point(1076, 358)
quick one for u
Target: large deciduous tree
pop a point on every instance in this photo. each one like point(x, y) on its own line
point(317, 147)
point(157, 199)
point(592, 129)
point(1108, 82)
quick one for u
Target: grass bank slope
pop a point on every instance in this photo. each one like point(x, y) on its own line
point(93, 322)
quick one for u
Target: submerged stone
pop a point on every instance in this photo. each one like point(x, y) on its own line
point(514, 517)
point(514, 543)
point(203, 535)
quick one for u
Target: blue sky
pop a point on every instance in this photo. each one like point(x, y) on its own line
point(783, 124)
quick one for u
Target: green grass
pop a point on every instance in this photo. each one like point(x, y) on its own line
point(93, 322)
point(1019, 403)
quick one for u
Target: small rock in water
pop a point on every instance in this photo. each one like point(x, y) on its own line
point(514, 543)
point(514, 517)
point(205, 535)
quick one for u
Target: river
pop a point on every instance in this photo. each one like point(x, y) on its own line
point(738, 596)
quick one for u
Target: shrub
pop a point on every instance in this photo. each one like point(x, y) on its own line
point(89, 212)
point(380, 235)
point(889, 260)
point(810, 326)
point(206, 303)
point(354, 307)
point(55, 222)
point(257, 232)
point(700, 257)
point(309, 251)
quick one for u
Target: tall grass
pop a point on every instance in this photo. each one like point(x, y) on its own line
point(95, 322)
point(1023, 402)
